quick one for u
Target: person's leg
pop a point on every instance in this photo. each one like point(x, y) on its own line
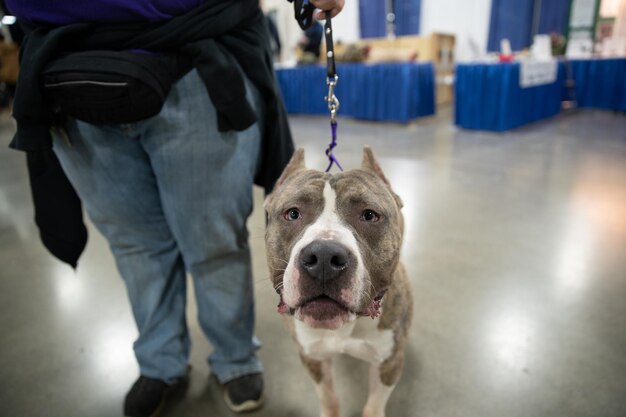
point(205, 181)
point(113, 176)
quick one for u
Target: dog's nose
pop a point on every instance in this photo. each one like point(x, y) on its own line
point(324, 260)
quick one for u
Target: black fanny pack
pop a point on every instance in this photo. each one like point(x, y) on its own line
point(103, 87)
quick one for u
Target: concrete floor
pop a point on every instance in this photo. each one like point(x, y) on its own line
point(516, 245)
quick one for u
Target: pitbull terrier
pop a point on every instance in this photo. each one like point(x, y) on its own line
point(333, 247)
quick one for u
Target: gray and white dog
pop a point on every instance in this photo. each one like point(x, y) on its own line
point(333, 248)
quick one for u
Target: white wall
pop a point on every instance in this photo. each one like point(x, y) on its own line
point(467, 20)
point(612, 7)
point(619, 30)
point(346, 24)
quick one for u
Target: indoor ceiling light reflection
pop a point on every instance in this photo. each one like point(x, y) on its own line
point(596, 218)
point(511, 339)
point(405, 176)
point(68, 287)
point(113, 349)
point(575, 256)
point(23, 225)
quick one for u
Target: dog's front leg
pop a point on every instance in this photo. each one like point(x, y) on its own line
point(382, 382)
point(321, 372)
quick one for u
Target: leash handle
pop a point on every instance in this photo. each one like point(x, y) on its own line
point(331, 71)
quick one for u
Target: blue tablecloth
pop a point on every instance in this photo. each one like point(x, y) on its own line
point(383, 92)
point(600, 83)
point(488, 96)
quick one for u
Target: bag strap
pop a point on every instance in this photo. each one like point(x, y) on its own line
point(303, 11)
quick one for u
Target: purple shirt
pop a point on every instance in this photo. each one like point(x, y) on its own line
point(63, 12)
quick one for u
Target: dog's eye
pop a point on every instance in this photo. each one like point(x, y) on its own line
point(370, 216)
point(292, 214)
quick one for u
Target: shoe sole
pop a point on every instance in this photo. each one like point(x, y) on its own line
point(246, 406)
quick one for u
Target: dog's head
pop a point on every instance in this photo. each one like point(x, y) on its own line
point(333, 241)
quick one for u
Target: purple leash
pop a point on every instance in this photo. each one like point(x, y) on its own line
point(331, 98)
point(331, 146)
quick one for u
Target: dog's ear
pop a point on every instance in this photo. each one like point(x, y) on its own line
point(371, 164)
point(295, 164)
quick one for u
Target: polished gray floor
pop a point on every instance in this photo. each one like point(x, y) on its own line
point(516, 245)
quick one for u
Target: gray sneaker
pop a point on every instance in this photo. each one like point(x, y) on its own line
point(244, 393)
point(146, 397)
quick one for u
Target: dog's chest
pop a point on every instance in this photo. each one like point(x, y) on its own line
point(360, 339)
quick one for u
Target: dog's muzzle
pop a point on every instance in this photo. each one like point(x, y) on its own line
point(328, 286)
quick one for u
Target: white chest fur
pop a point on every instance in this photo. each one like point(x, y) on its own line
point(359, 338)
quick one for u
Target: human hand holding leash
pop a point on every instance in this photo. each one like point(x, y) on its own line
point(304, 10)
point(333, 6)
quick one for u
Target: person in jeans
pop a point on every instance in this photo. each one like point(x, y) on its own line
point(171, 193)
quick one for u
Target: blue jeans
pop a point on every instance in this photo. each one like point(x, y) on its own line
point(171, 194)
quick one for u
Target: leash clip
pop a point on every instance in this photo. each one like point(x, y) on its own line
point(331, 98)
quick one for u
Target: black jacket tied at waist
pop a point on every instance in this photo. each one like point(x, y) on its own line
point(218, 37)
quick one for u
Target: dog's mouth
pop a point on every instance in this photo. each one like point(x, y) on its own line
point(326, 312)
point(322, 307)
point(322, 312)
